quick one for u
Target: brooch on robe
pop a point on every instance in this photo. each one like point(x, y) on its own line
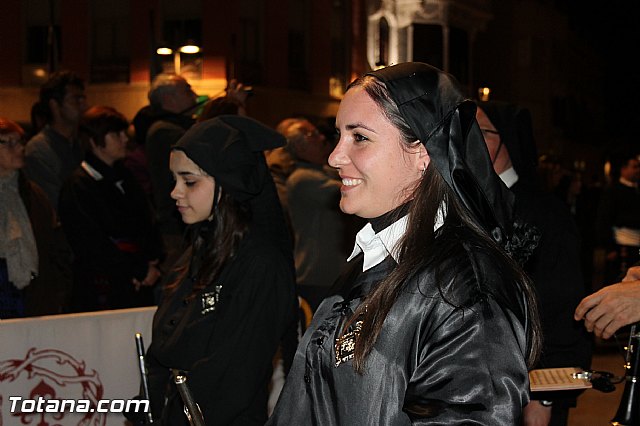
point(210, 299)
point(346, 344)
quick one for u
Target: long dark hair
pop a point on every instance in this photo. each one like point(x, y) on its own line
point(212, 244)
point(419, 247)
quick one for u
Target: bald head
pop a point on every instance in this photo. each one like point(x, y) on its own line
point(171, 93)
point(304, 141)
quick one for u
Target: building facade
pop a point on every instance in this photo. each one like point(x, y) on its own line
point(299, 55)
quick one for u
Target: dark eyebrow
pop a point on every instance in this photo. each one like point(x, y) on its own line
point(359, 125)
point(188, 174)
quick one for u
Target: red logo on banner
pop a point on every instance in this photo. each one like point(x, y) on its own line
point(51, 374)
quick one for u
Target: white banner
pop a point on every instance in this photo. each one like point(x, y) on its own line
point(88, 356)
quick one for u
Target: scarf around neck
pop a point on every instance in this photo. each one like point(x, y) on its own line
point(17, 243)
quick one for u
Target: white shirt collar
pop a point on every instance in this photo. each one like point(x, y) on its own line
point(377, 247)
point(509, 177)
point(96, 175)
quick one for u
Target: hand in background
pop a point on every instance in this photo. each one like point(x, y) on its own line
point(612, 307)
point(633, 274)
point(153, 274)
point(237, 92)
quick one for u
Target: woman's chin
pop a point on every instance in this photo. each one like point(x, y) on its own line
point(346, 207)
point(187, 220)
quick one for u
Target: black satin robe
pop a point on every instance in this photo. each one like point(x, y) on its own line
point(225, 339)
point(432, 364)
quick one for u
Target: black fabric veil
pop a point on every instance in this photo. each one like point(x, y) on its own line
point(433, 105)
point(444, 121)
point(230, 149)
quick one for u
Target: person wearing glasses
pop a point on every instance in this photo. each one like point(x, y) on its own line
point(35, 261)
point(54, 152)
point(554, 266)
point(432, 322)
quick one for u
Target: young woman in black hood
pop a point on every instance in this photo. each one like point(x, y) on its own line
point(231, 296)
point(433, 322)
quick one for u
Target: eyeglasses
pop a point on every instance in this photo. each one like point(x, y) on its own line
point(12, 143)
point(490, 132)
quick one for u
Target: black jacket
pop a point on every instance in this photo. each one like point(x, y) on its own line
point(554, 268)
point(225, 337)
point(110, 227)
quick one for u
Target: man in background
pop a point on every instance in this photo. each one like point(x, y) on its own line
point(322, 234)
point(554, 265)
point(618, 217)
point(54, 152)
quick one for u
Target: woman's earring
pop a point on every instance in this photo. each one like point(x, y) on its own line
point(424, 169)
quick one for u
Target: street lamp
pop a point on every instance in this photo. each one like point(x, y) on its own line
point(188, 48)
point(483, 94)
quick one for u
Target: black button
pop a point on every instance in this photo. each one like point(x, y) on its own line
point(185, 302)
point(172, 322)
point(319, 341)
point(307, 378)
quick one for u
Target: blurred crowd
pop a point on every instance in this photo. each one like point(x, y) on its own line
point(89, 209)
point(112, 229)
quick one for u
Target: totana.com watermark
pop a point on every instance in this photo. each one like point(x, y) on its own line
point(41, 405)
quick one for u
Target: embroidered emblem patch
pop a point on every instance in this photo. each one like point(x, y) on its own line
point(210, 299)
point(346, 344)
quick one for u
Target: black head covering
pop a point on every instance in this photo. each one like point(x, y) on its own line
point(230, 149)
point(516, 133)
point(433, 105)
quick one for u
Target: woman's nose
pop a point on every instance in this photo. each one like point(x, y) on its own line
point(338, 156)
point(175, 192)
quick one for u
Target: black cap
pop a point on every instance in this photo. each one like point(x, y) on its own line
point(229, 148)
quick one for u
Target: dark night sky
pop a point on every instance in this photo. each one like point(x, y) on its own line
point(612, 27)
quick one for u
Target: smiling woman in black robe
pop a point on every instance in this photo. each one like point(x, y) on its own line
point(432, 322)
